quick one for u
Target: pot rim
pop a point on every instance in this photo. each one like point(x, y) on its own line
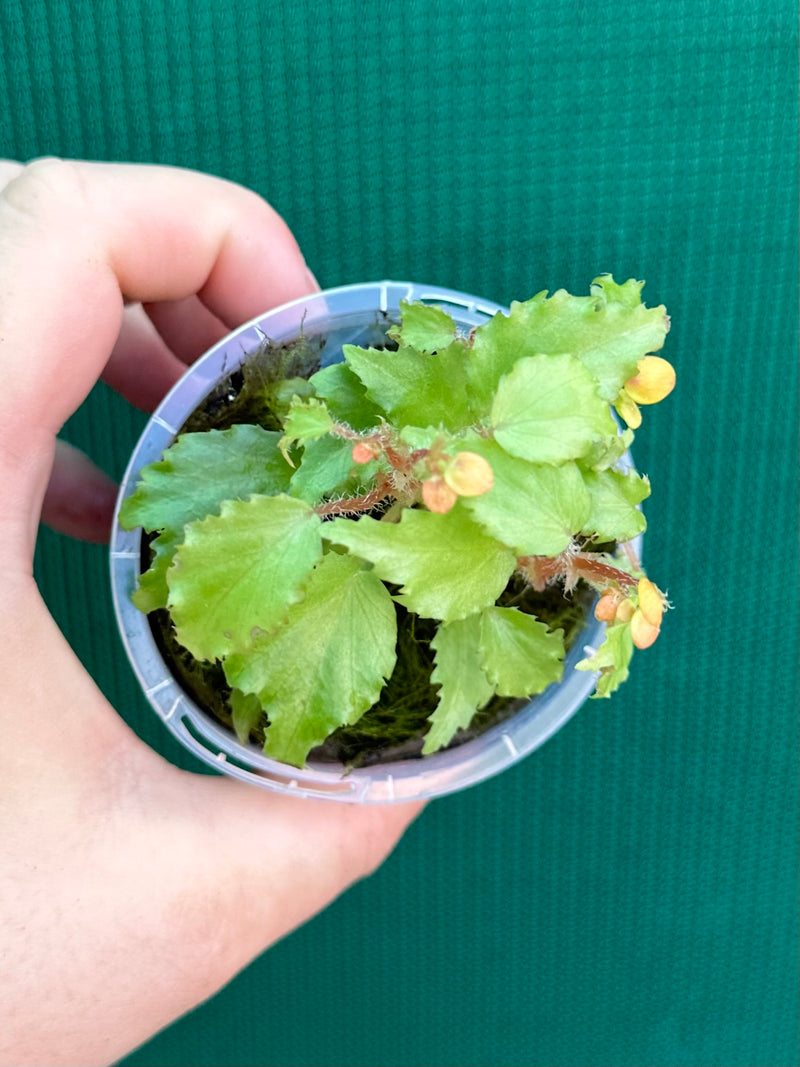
point(440, 773)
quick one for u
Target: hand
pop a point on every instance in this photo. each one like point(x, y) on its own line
point(131, 890)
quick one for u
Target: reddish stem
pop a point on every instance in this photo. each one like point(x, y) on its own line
point(540, 570)
point(341, 429)
point(396, 459)
point(595, 569)
point(381, 492)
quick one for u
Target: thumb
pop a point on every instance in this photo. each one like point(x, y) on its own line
point(277, 860)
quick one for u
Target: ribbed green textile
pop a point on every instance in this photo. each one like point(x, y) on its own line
point(627, 896)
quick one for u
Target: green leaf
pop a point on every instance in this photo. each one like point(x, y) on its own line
point(326, 465)
point(534, 508)
point(199, 471)
point(306, 420)
point(423, 326)
point(613, 514)
point(627, 295)
point(246, 712)
point(607, 451)
point(327, 664)
point(238, 572)
point(463, 685)
point(612, 659)
point(416, 388)
point(518, 653)
point(152, 592)
point(346, 397)
point(424, 437)
point(447, 566)
point(609, 331)
point(547, 410)
point(498, 344)
point(287, 391)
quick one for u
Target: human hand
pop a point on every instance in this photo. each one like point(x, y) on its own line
point(131, 890)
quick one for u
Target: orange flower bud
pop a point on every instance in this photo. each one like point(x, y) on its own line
point(469, 474)
point(651, 603)
point(437, 495)
point(654, 379)
point(625, 611)
point(363, 452)
point(642, 631)
point(605, 610)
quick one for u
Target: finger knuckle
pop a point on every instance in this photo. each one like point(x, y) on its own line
point(43, 184)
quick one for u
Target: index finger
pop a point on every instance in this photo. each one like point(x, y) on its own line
point(76, 239)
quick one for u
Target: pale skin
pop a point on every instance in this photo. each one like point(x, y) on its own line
point(130, 891)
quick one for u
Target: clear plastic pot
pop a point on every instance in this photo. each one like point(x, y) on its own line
point(352, 314)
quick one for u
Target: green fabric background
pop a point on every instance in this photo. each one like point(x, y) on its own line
point(627, 895)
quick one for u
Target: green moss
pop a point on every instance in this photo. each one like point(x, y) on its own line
point(258, 393)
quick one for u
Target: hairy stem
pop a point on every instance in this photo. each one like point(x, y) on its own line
point(341, 429)
point(541, 570)
point(596, 570)
point(355, 504)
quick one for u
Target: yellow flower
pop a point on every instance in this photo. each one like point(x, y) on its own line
point(469, 474)
point(654, 379)
point(646, 620)
point(651, 602)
